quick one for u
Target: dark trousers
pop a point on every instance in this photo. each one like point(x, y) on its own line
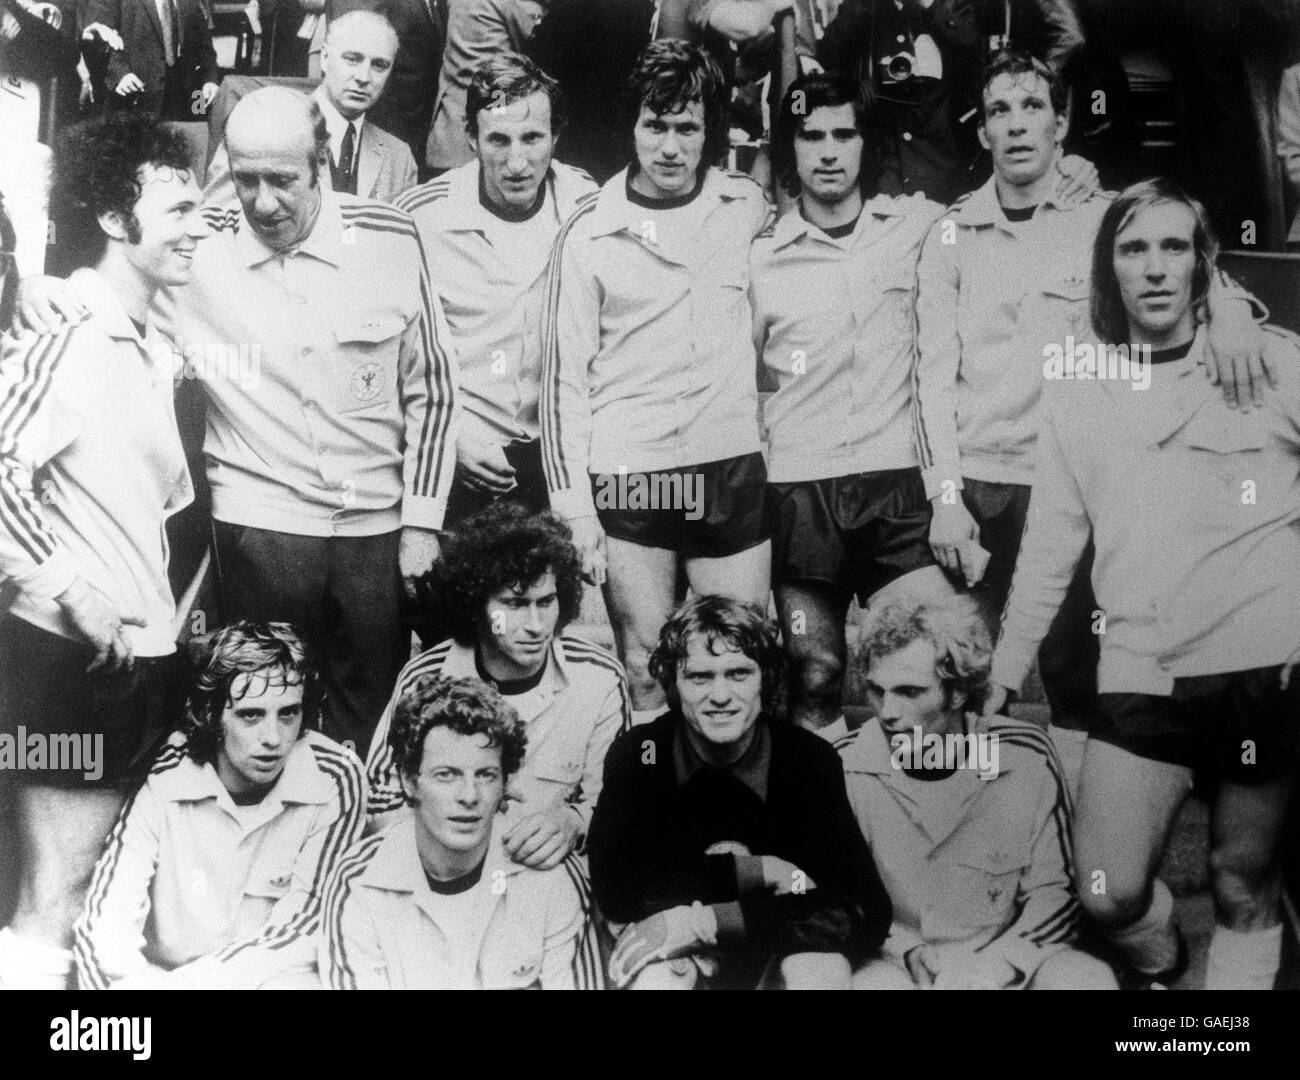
point(343, 593)
point(1067, 658)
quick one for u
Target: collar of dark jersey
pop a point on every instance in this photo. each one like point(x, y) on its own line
point(751, 769)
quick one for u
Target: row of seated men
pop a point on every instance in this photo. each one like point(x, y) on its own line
point(321, 487)
point(724, 848)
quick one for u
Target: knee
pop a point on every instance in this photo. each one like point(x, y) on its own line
point(1245, 887)
point(815, 971)
point(882, 975)
point(1073, 970)
point(1111, 899)
point(680, 974)
point(818, 672)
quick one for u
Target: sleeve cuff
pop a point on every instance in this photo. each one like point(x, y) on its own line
point(937, 476)
point(731, 923)
point(421, 512)
point(749, 875)
point(573, 502)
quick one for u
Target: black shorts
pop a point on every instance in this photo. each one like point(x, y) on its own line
point(116, 721)
point(1239, 726)
point(705, 511)
point(529, 490)
point(854, 533)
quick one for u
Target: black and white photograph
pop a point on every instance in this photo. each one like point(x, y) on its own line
point(651, 494)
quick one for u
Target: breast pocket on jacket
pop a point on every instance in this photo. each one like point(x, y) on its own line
point(1061, 305)
point(366, 366)
point(1234, 450)
point(984, 886)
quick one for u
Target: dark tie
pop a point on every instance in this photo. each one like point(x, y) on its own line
point(346, 180)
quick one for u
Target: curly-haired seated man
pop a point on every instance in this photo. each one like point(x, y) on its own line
point(434, 902)
point(507, 584)
point(725, 843)
point(968, 818)
point(214, 875)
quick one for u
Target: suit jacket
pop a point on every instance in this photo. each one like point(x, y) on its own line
point(385, 168)
point(142, 37)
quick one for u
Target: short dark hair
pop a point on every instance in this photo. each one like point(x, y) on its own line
point(963, 650)
point(1015, 64)
point(508, 77)
point(97, 167)
point(467, 707)
point(724, 622)
point(669, 75)
point(1109, 316)
point(806, 93)
point(503, 546)
point(270, 654)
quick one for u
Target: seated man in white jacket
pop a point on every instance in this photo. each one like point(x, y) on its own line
point(968, 818)
point(435, 902)
point(213, 876)
point(1193, 509)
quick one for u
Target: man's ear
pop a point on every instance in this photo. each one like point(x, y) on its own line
point(408, 788)
point(112, 224)
point(984, 139)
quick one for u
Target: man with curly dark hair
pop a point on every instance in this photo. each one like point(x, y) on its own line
point(91, 465)
point(506, 585)
point(724, 844)
point(214, 875)
point(435, 902)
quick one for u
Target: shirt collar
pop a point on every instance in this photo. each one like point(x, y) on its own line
point(335, 122)
point(792, 226)
point(565, 185)
point(981, 206)
point(324, 242)
point(614, 212)
point(301, 781)
point(559, 674)
point(397, 867)
point(752, 769)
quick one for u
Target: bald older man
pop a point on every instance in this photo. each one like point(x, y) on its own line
point(356, 61)
point(330, 378)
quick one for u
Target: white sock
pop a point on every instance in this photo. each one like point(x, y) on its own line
point(29, 965)
point(1243, 959)
point(644, 716)
point(1150, 944)
point(1069, 743)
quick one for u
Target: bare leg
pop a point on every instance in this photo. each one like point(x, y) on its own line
point(62, 833)
point(1126, 809)
point(747, 575)
point(640, 593)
